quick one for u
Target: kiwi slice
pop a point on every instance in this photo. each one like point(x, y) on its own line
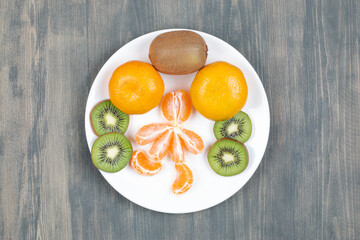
point(228, 157)
point(106, 118)
point(238, 127)
point(111, 152)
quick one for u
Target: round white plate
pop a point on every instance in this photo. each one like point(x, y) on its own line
point(209, 189)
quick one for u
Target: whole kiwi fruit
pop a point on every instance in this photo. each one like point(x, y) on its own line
point(178, 52)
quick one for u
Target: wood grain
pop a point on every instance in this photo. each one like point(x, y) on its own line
point(306, 53)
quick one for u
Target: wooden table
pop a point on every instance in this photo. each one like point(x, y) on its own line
point(307, 56)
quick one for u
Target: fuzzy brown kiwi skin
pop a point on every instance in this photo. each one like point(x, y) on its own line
point(186, 38)
point(247, 152)
point(91, 123)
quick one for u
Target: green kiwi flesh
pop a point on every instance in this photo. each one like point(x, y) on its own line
point(228, 157)
point(106, 118)
point(111, 152)
point(238, 127)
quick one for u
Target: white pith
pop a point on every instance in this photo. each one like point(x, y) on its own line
point(228, 157)
point(232, 128)
point(110, 119)
point(112, 151)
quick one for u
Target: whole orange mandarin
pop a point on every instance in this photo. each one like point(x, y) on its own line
point(136, 87)
point(219, 91)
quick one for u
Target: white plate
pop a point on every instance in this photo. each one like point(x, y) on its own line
point(209, 189)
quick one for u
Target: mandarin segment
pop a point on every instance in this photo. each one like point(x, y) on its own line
point(184, 179)
point(185, 105)
point(192, 141)
point(149, 133)
point(161, 146)
point(142, 164)
point(177, 150)
point(169, 106)
point(176, 106)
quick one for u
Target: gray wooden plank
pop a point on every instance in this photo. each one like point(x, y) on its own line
point(307, 55)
